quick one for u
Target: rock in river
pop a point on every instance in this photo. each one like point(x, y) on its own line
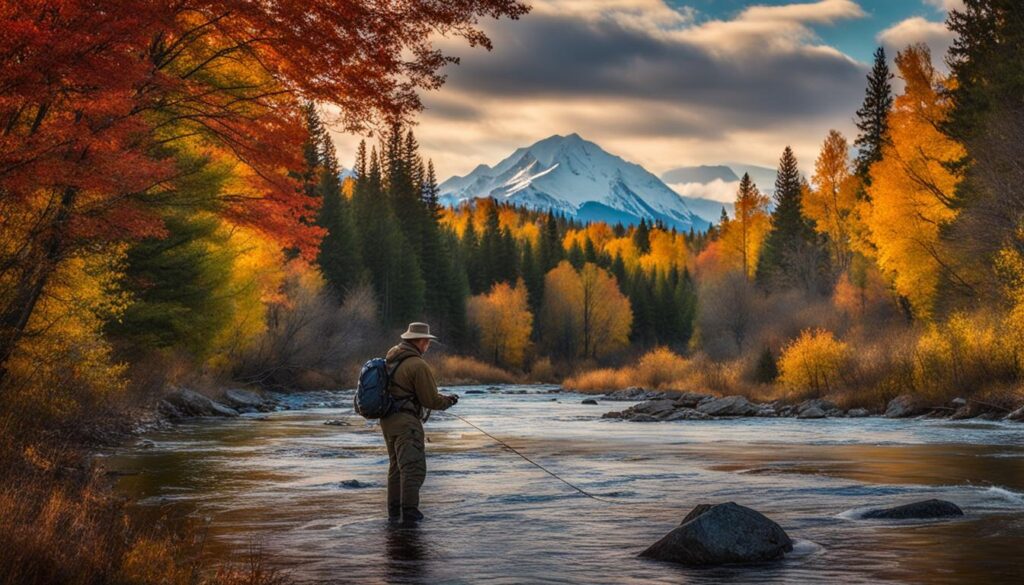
point(812, 412)
point(917, 510)
point(185, 403)
point(904, 406)
point(589, 401)
point(721, 534)
point(729, 406)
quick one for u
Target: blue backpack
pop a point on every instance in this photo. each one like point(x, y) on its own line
point(373, 397)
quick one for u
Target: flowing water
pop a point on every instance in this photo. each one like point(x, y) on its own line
point(314, 494)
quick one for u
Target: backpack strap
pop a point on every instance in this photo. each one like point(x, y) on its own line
point(391, 380)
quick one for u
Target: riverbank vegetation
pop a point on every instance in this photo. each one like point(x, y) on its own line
point(163, 222)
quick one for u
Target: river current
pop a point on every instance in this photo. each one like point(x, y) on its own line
point(313, 494)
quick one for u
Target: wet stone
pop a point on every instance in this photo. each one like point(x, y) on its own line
point(917, 511)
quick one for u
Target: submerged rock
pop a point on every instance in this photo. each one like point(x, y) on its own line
point(858, 413)
point(334, 422)
point(588, 401)
point(473, 392)
point(918, 511)
point(721, 534)
point(904, 406)
point(729, 406)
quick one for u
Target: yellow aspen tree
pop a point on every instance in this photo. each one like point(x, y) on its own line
point(912, 187)
point(503, 322)
point(606, 315)
point(833, 200)
point(743, 236)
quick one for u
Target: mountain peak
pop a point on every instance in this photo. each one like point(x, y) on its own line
point(574, 176)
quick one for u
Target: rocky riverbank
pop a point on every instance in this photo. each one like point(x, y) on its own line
point(657, 406)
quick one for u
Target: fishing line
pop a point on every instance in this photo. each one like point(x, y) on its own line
point(537, 465)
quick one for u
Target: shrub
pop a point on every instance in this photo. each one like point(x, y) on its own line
point(766, 370)
point(543, 371)
point(455, 369)
point(963, 355)
point(660, 368)
point(813, 363)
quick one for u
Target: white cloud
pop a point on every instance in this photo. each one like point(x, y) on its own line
point(717, 190)
point(647, 81)
point(918, 30)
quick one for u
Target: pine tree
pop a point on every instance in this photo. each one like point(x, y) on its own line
point(533, 276)
point(642, 237)
point(575, 256)
point(431, 193)
point(790, 256)
point(873, 117)
point(475, 267)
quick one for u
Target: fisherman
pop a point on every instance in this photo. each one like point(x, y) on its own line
point(413, 386)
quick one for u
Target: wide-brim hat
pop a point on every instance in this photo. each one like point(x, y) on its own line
point(418, 331)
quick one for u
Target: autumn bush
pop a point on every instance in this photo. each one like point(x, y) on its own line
point(461, 370)
point(813, 364)
point(965, 354)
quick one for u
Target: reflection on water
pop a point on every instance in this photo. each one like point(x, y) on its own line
point(314, 494)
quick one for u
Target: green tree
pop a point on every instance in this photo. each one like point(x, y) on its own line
point(791, 256)
point(873, 117)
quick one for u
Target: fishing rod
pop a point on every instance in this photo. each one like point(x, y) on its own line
point(537, 465)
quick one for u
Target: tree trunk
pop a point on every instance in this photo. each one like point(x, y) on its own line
point(16, 315)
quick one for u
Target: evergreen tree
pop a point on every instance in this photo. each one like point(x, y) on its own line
point(575, 256)
point(988, 101)
point(533, 276)
point(686, 307)
point(475, 267)
point(551, 251)
point(873, 117)
point(790, 256)
point(642, 237)
point(338, 255)
point(431, 192)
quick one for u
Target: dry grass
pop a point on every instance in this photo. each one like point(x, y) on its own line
point(661, 369)
point(454, 370)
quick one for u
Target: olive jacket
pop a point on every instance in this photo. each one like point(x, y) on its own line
point(414, 379)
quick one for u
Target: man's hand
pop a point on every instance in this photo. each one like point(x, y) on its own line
point(454, 399)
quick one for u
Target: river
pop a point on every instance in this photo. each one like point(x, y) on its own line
point(313, 494)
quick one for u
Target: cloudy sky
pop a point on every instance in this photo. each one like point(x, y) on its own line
point(667, 83)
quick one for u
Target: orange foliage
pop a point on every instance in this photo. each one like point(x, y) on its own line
point(503, 322)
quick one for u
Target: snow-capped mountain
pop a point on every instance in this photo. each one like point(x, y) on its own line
point(576, 177)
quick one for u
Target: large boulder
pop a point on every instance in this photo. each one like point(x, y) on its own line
point(812, 412)
point(627, 394)
point(918, 510)
point(655, 407)
point(729, 406)
point(247, 401)
point(904, 406)
point(721, 534)
point(691, 399)
point(685, 414)
point(185, 403)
